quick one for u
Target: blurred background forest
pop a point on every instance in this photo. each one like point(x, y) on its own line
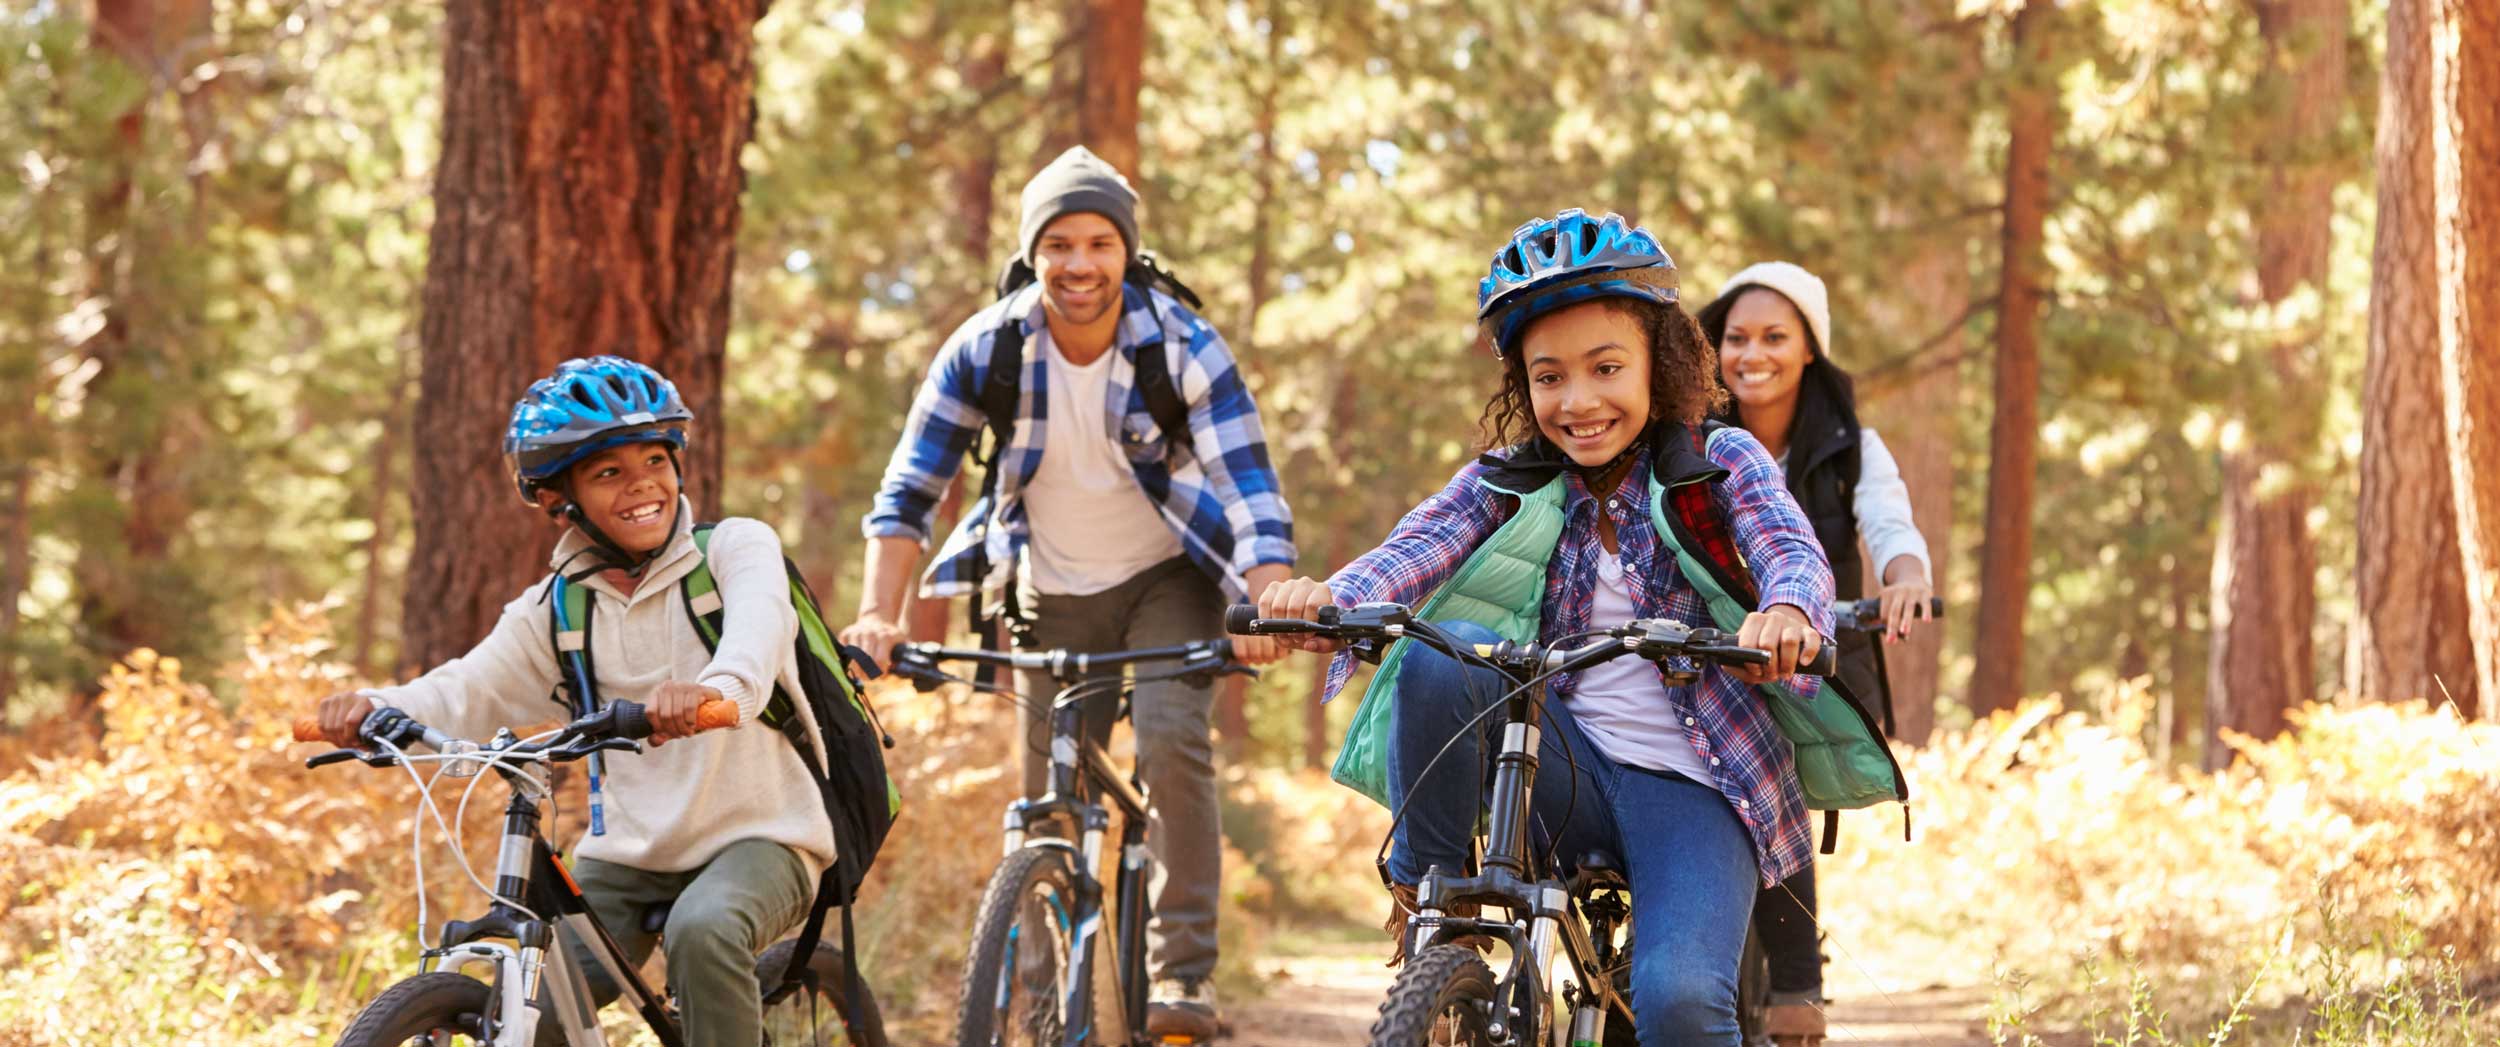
point(2182, 316)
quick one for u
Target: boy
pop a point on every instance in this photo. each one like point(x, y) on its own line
point(727, 824)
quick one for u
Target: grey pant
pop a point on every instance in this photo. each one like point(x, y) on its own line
point(724, 913)
point(1169, 603)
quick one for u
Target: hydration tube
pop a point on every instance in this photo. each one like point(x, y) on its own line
point(584, 702)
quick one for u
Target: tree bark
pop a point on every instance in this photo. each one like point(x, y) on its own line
point(1114, 61)
point(2265, 561)
point(2465, 102)
point(587, 202)
point(2408, 576)
point(2014, 432)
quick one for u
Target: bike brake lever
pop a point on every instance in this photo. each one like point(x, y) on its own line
point(333, 756)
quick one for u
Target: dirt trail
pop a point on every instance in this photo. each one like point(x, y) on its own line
point(1326, 995)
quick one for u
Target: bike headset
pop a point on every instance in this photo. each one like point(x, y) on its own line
point(587, 406)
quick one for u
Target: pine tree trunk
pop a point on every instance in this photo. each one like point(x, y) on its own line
point(16, 548)
point(2265, 597)
point(1114, 60)
point(378, 503)
point(132, 434)
point(2407, 574)
point(2014, 432)
point(587, 202)
point(2465, 103)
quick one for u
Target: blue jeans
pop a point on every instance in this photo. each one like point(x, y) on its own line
point(1688, 859)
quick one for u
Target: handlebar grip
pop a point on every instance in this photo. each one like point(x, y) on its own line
point(307, 729)
point(1237, 618)
point(715, 713)
point(1825, 663)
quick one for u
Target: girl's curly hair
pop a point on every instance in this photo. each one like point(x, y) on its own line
point(1683, 368)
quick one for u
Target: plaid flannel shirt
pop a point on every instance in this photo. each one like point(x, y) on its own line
point(1216, 490)
point(1725, 719)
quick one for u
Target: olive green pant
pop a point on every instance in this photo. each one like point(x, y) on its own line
point(724, 913)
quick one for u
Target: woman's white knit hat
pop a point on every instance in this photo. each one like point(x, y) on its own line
point(1803, 290)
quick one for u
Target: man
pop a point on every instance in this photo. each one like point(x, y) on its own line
point(1112, 532)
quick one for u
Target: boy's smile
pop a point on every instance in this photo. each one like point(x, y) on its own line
point(627, 492)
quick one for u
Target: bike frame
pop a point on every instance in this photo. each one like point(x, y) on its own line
point(526, 868)
point(1080, 770)
point(1555, 926)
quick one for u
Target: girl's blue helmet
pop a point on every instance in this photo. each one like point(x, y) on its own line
point(587, 406)
point(1545, 253)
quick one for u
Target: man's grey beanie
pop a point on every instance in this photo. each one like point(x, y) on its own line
point(1078, 182)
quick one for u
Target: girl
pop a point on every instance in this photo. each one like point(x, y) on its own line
point(1606, 382)
point(1772, 326)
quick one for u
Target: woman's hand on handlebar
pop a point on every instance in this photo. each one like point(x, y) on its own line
point(340, 715)
point(672, 710)
point(1905, 602)
point(1784, 631)
point(1299, 598)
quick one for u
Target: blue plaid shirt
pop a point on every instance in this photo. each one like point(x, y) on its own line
point(1724, 718)
point(1216, 488)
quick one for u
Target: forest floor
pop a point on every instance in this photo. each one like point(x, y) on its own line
point(1325, 990)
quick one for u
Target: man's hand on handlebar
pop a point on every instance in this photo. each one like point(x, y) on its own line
point(340, 715)
point(875, 635)
point(1787, 633)
point(1299, 598)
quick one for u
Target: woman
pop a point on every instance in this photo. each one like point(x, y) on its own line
point(1772, 326)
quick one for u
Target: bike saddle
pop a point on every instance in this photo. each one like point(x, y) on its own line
point(655, 917)
point(1597, 871)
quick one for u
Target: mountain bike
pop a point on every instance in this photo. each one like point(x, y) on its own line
point(1033, 975)
point(537, 996)
point(1753, 974)
point(1446, 993)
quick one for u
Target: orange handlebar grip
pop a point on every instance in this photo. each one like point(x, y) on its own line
point(307, 729)
point(716, 713)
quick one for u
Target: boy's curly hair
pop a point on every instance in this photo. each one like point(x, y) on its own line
point(1683, 368)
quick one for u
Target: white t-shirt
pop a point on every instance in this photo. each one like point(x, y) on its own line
point(1092, 526)
point(1622, 705)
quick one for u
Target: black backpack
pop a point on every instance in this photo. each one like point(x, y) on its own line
point(1003, 388)
point(860, 799)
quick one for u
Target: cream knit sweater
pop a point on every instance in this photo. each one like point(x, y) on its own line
point(673, 807)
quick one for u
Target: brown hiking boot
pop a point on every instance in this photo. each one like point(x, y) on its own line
point(1402, 906)
point(1182, 1011)
point(1794, 1025)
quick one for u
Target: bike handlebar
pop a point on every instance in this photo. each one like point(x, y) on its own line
point(628, 721)
point(918, 662)
point(1867, 615)
point(1651, 638)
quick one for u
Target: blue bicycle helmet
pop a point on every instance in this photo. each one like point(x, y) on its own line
point(589, 405)
point(1546, 264)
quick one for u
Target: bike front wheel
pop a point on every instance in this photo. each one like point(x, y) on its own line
point(1018, 978)
point(1445, 995)
point(437, 1007)
point(818, 1013)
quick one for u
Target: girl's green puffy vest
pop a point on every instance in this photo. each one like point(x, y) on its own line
point(1842, 761)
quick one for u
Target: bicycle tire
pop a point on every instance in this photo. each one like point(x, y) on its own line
point(432, 1002)
point(1753, 992)
point(1444, 980)
point(817, 1015)
point(1000, 1006)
